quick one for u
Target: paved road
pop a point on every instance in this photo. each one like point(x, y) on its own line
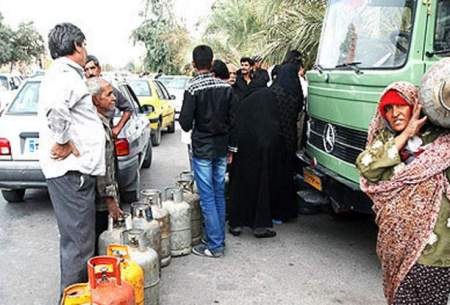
point(315, 260)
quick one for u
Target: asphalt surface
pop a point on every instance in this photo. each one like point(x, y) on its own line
point(316, 260)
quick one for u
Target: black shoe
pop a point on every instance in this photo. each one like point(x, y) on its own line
point(236, 231)
point(264, 233)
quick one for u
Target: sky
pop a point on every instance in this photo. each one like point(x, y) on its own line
point(107, 24)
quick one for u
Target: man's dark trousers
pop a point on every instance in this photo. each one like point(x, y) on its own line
point(73, 199)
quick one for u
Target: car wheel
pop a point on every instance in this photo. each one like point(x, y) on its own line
point(171, 128)
point(148, 156)
point(156, 136)
point(14, 195)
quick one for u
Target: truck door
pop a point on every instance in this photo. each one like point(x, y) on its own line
point(437, 42)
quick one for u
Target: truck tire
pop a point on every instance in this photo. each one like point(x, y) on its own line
point(14, 195)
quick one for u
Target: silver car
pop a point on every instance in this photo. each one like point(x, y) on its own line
point(176, 84)
point(19, 144)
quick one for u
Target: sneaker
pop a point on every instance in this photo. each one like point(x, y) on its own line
point(264, 233)
point(235, 231)
point(202, 250)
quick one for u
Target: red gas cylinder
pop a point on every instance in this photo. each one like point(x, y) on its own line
point(107, 288)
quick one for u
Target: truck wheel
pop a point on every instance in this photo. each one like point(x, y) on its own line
point(148, 156)
point(156, 136)
point(14, 195)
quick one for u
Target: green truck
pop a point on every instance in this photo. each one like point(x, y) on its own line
point(365, 45)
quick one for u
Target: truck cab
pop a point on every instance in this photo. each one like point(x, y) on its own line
point(365, 46)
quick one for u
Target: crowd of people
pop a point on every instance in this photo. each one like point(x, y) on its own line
point(242, 125)
point(238, 124)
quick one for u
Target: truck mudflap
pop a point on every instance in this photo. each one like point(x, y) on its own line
point(343, 195)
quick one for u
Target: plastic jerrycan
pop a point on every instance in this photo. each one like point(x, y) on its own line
point(77, 294)
point(142, 218)
point(113, 234)
point(130, 271)
point(185, 180)
point(153, 197)
point(148, 259)
point(180, 221)
point(106, 284)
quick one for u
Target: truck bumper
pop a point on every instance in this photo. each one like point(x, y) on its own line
point(345, 196)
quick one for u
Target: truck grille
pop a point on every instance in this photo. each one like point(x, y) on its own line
point(348, 143)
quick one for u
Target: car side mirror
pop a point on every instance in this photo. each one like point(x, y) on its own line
point(173, 97)
point(146, 109)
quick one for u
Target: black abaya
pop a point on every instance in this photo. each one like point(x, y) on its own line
point(262, 186)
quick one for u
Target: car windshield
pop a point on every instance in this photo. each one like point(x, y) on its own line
point(140, 87)
point(3, 83)
point(442, 33)
point(27, 99)
point(366, 33)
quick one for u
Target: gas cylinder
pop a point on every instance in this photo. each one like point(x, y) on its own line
point(105, 282)
point(77, 294)
point(113, 234)
point(143, 219)
point(148, 259)
point(153, 197)
point(180, 221)
point(186, 182)
point(130, 271)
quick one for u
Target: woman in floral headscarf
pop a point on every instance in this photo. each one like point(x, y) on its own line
point(405, 171)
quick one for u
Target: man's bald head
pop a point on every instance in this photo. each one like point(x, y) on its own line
point(102, 94)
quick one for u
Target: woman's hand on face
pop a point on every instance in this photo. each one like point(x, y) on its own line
point(415, 123)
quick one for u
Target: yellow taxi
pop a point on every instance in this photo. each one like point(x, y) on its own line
point(152, 92)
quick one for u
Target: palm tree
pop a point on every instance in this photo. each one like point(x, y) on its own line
point(266, 27)
point(231, 27)
point(292, 24)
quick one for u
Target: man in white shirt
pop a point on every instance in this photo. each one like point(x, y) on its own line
point(72, 144)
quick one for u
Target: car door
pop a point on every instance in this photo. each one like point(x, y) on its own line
point(166, 105)
point(139, 130)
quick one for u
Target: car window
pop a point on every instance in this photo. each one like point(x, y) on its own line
point(161, 93)
point(140, 87)
point(165, 91)
point(26, 100)
point(124, 90)
point(3, 83)
point(178, 83)
point(165, 80)
point(133, 97)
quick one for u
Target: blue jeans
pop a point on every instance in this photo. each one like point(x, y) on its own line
point(210, 179)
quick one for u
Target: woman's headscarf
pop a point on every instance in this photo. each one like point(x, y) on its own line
point(289, 96)
point(407, 205)
point(406, 90)
point(288, 79)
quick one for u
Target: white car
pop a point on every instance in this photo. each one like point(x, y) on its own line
point(19, 145)
point(176, 84)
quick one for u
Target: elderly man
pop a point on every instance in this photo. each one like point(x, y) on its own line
point(93, 69)
point(72, 149)
point(107, 200)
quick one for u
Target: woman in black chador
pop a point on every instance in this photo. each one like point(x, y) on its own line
point(262, 185)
